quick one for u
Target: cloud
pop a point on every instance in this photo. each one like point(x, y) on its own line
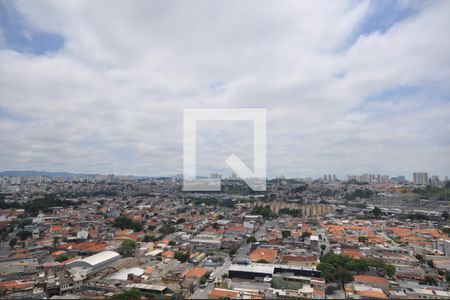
point(111, 98)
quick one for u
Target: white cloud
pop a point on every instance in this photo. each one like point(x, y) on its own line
point(112, 99)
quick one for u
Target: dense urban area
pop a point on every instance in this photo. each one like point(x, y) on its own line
point(67, 236)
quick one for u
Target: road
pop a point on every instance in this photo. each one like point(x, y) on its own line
point(202, 293)
point(5, 249)
point(262, 230)
point(245, 249)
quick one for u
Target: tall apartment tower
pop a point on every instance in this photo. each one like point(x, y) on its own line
point(435, 180)
point(420, 178)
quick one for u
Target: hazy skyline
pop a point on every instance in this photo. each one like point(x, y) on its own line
point(350, 87)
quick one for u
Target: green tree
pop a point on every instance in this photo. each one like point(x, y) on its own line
point(343, 276)
point(251, 239)
point(358, 265)
point(55, 242)
point(286, 234)
point(181, 256)
point(23, 234)
point(445, 215)
point(61, 258)
point(362, 239)
point(328, 271)
point(429, 280)
point(376, 212)
point(13, 242)
point(127, 247)
point(378, 264)
point(128, 295)
point(124, 222)
point(181, 220)
point(390, 270)
point(167, 229)
point(172, 243)
point(305, 235)
point(25, 222)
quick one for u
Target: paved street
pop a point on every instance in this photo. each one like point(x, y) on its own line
point(202, 293)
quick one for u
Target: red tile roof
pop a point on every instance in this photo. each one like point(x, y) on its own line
point(266, 254)
point(196, 272)
point(371, 278)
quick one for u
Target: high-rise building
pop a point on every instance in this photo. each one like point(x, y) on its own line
point(401, 179)
point(420, 178)
point(384, 179)
point(435, 180)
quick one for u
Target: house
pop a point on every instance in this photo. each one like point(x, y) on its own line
point(151, 289)
point(15, 285)
point(196, 273)
point(205, 244)
point(373, 281)
point(56, 230)
point(236, 230)
point(264, 254)
point(218, 293)
point(442, 264)
point(299, 260)
point(358, 291)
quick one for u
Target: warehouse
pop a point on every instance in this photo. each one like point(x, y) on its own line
point(96, 262)
point(263, 270)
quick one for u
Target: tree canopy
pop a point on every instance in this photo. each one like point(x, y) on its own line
point(128, 295)
point(127, 247)
point(127, 223)
point(333, 266)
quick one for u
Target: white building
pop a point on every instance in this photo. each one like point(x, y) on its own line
point(96, 262)
point(420, 178)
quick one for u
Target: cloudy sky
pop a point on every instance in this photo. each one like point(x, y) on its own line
point(349, 86)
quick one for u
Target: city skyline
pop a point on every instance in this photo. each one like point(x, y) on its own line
point(348, 86)
point(371, 177)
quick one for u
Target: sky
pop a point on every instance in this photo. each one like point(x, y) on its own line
point(349, 87)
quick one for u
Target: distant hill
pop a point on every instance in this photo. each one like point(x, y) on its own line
point(27, 173)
